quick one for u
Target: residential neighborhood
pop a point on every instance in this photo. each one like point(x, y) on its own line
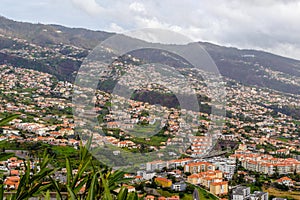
point(137, 132)
point(47, 120)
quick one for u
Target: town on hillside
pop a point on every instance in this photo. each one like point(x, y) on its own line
point(145, 147)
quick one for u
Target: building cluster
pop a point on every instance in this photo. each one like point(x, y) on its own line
point(268, 136)
point(13, 168)
point(205, 174)
point(25, 49)
point(243, 193)
point(267, 164)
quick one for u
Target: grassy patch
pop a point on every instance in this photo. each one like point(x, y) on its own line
point(64, 150)
point(58, 152)
point(61, 152)
point(168, 194)
point(149, 132)
point(154, 140)
point(283, 139)
point(283, 194)
point(11, 145)
point(296, 122)
point(203, 194)
point(144, 130)
point(188, 197)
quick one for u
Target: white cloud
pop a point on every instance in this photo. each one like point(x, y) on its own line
point(137, 7)
point(285, 49)
point(272, 25)
point(89, 6)
point(113, 27)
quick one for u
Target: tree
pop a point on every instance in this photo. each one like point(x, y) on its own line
point(281, 187)
point(187, 173)
point(190, 188)
point(276, 173)
point(181, 195)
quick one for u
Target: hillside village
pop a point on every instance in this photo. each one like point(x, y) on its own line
point(265, 154)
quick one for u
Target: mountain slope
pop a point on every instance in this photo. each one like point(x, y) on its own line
point(52, 34)
point(71, 45)
point(259, 68)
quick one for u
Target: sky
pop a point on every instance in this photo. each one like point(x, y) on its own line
point(269, 25)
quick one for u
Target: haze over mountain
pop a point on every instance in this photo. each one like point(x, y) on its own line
point(249, 67)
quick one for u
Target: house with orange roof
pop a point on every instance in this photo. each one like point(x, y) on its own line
point(175, 197)
point(283, 151)
point(163, 182)
point(14, 173)
point(11, 182)
point(55, 134)
point(138, 178)
point(206, 181)
point(128, 176)
point(130, 188)
point(149, 197)
point(176, 171)
point(194, 179)
point(206, 178)
point(12, 159)
point(209, 179)
point(82, 189)
point(219, 188)
point(179, 162)
point(66, 131)
point(285, 181)
point(125, 143)
point(13, 163)
point(113, 124)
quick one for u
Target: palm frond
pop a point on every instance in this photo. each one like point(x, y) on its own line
point(5, 120)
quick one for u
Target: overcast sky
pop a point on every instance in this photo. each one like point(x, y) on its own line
point(271, 25)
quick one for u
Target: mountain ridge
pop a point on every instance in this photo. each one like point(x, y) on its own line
point(247, 66)
point(206, 44)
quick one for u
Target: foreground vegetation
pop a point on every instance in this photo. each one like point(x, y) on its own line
point(89, 181)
